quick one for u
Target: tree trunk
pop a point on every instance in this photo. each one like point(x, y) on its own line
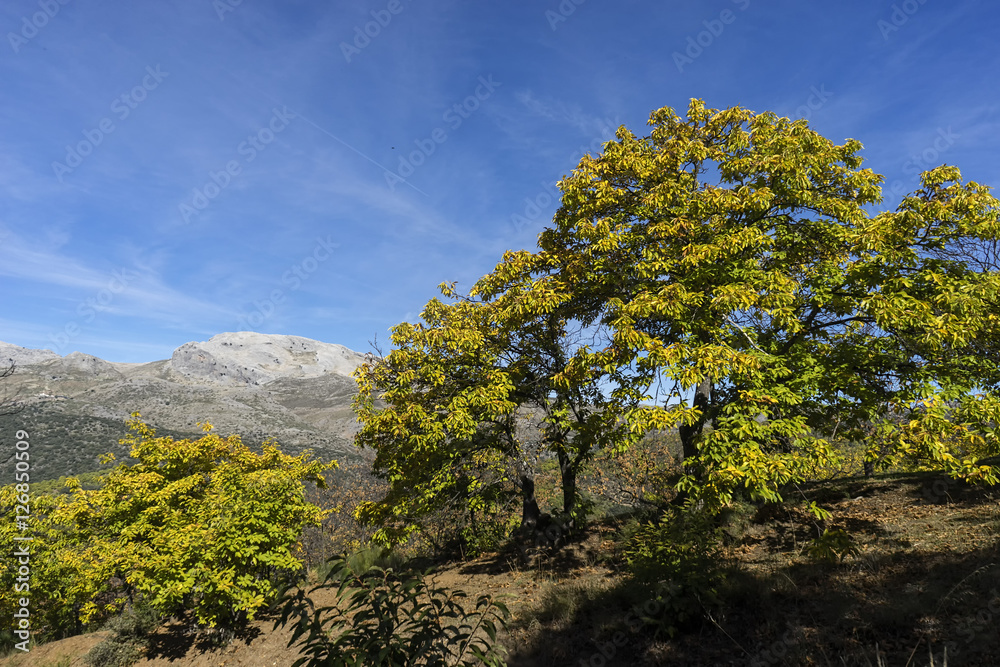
point(689, 433)
point(568, 473)
point(530, 514)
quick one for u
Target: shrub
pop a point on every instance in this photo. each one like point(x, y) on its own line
point(833, 546)
point(365, 559)
point(487, 533)
point(679, 556)
point(209, 523)
point(387, 619)
point(125, 646)
point(66, 588)
point(203, 526)
point(113, 652)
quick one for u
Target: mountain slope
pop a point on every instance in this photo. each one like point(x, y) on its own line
point(293, 389)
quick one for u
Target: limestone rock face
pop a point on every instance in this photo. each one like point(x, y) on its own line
point(90, 365)
point(23, 356)
point(248, 358)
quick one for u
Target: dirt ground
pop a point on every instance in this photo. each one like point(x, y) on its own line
point(64, 653)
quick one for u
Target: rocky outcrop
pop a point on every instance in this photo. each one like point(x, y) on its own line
point(248, 358)
point(23, 356)
point(90, 365)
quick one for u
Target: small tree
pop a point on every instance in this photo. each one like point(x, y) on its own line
point(440, 414)
point(205, 525)
point(58, 568)
point(446, 411)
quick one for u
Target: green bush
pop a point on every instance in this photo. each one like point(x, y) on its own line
point(130, 632)
point(679, 557)
point(365, 559)
point(113, 653)
point(205, 527)
point(387, 619)
point(487, 534)
point(833, 546)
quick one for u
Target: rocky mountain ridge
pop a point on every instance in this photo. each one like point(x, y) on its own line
point(293, 389)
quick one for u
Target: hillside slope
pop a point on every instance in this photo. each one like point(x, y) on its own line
point(926, 576)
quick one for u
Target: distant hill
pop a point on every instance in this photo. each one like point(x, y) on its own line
point(293, 389)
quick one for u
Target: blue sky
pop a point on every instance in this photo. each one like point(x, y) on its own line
point(173, 170)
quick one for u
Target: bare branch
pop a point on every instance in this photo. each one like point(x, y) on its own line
point(9, 404)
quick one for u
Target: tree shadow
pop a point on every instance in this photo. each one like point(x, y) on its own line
point(936, 489)
point(555, 551)
point(854, 487)
point(799, 612)
point(177, 639)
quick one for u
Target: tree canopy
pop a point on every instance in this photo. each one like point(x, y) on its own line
point(461, 410)
point(728, 275)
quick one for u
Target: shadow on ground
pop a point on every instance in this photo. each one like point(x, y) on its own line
point(176, 640)
point(790, 611)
